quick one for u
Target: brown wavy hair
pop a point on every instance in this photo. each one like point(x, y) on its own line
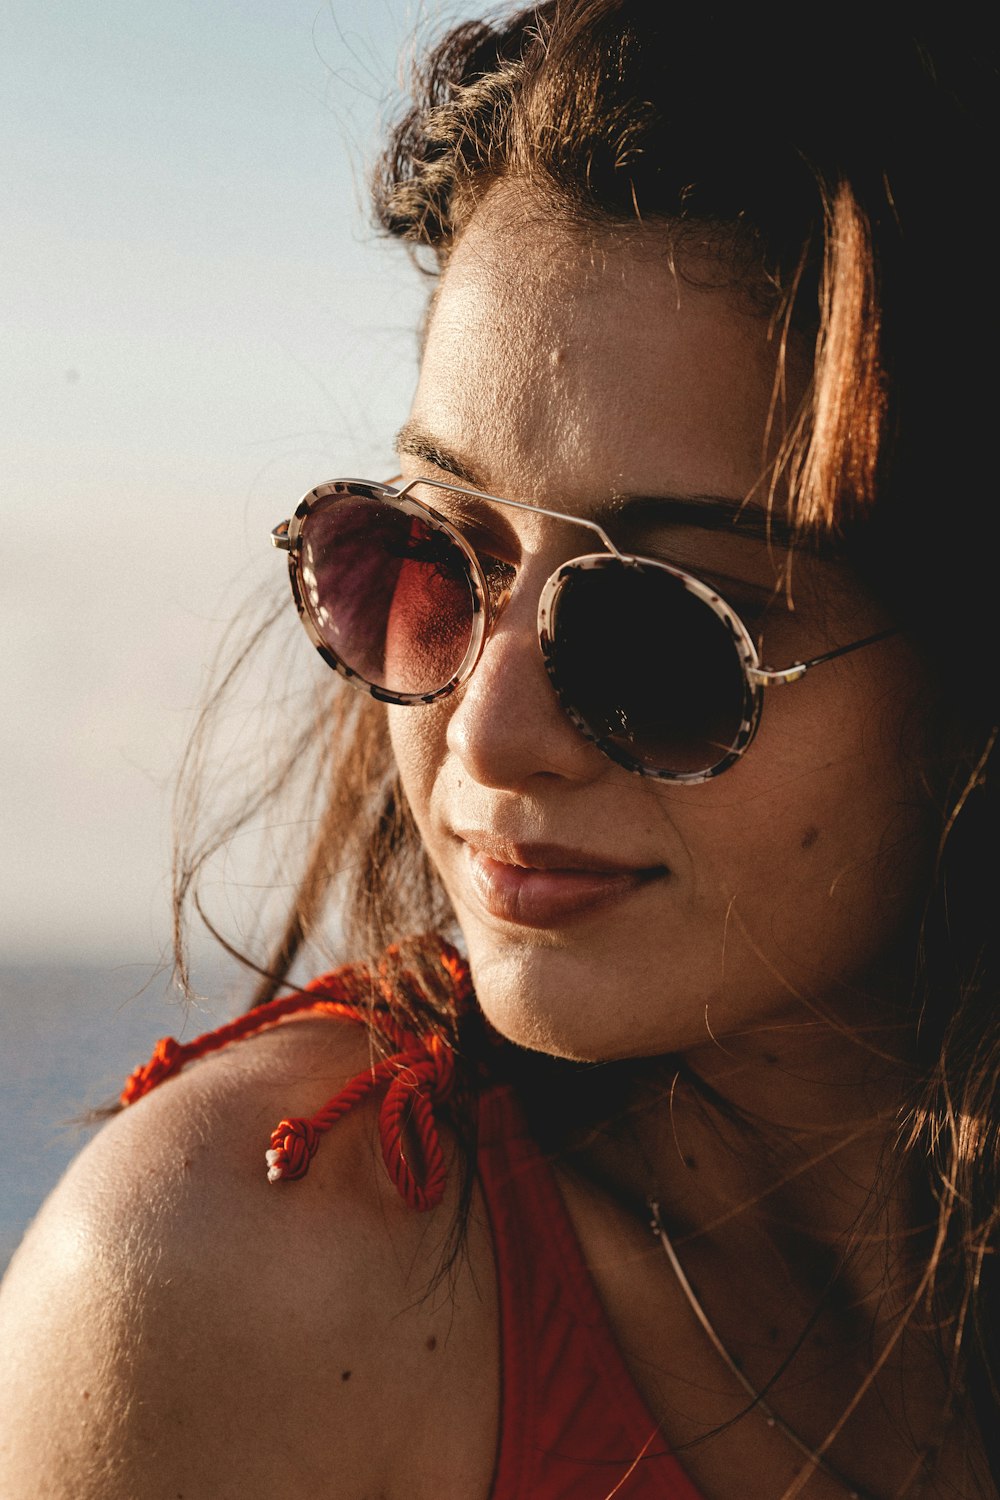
point(845, 183)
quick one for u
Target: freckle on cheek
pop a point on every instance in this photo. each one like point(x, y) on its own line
point(809, 838)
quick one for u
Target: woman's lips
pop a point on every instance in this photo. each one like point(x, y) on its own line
point(560, 887)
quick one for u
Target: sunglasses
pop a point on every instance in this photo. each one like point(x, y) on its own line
point(396, 599)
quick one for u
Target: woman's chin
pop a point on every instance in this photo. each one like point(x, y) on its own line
point(550, 1000)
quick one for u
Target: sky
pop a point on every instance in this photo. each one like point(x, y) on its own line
point(200, 324)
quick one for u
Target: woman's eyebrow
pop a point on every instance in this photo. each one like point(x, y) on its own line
point(706, 512)
point(416, 442)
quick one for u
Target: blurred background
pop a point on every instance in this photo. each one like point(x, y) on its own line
point(201, 324)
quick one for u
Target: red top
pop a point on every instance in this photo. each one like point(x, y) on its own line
point(573, 1426)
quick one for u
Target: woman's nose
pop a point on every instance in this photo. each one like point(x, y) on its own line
point(507, 724)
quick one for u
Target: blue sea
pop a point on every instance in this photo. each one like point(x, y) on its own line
point(69, 1036)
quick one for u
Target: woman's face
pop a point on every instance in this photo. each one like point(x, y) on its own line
point(608, 914)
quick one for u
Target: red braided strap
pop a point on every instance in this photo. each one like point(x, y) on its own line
point(170, 1056)
point(420, 1077)
point(426, 1079)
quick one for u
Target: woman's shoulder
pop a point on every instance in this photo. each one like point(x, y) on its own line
point(174, 1313)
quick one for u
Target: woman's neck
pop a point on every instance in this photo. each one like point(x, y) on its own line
point(772, 1150)
point(795, 1231)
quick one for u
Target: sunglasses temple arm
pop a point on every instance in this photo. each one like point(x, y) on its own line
point(766, 677)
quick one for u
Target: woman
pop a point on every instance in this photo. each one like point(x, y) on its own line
point(699, 416)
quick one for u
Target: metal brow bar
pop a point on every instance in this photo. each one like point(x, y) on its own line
point(769, 677)
point(537, 510)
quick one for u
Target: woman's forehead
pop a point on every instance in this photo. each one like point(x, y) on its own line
point(579, 351)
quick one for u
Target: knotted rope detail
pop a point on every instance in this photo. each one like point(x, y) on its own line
point(419, 1076)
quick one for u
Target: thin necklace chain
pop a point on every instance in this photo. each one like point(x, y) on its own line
point(769, 1414)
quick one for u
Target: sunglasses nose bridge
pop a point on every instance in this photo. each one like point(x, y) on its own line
point(508, 586)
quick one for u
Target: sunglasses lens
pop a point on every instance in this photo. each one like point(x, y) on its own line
point(648, 667)
point(389, 594)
